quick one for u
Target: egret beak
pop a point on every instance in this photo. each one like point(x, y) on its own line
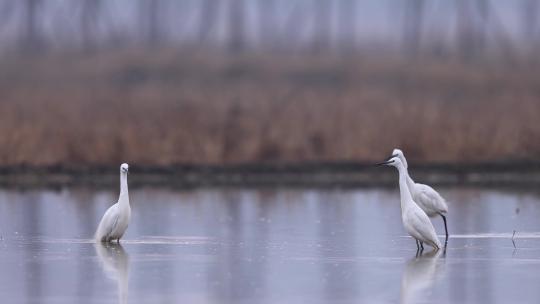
point(383, 163)
point(387, 161)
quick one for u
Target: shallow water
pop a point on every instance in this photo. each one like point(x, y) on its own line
point(266, 246)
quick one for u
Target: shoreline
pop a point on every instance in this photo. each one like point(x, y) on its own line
point(329, 175)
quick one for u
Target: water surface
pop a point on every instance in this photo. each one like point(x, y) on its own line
point(266, 246)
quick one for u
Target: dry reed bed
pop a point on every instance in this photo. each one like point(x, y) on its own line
point(169, 107)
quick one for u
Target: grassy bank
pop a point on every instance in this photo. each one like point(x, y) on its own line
point(165, 107)
point(320, 175)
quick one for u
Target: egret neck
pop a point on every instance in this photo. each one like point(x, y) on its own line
point(406, 198)
point(124, 195)
point(410, 181)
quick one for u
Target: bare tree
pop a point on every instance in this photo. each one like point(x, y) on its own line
point(347, 22)
point(530, 21)
point(236, 22)
point(6, 12)
point(484, 9)
point(294, 24)
point(154, 33)
point(90, 12)
point(322, 25)
point(413, 19)
point(209, 11)
point(31, 38)
point(267, 26)
point(503, 39)
point(465, 30)
point(150, 19)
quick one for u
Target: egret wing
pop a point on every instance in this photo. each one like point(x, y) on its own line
point(430, 199)
point(114, 223)
point(108, 222)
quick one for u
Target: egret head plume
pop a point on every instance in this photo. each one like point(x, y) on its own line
point(399, 153)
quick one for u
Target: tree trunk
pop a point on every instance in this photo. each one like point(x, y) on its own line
point(347, 21)
point(89, 21)
point(267, 27)
point(154, 33)
point(530, 20)
point(31, 38)
point(484, 12)
point(413, 20)
point(236, 43)
point(208, 16)
point(322, 26)
point(149, 16)
point(464, 31)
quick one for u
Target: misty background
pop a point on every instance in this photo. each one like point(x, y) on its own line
point(161, 82)
point(442, 28)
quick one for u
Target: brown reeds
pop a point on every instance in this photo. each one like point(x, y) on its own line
point(168, 107)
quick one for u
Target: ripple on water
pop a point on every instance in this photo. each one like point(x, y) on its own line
point(159, 240)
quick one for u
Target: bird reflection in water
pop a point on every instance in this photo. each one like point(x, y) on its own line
point(419, 275)
point(115, 264)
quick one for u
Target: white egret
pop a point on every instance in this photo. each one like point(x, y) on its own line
point(116, 219)
point(426, 197)
point(415, 220)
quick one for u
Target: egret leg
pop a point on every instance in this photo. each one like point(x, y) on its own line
point(445, 228)
point(118, 241)
point(422, 245)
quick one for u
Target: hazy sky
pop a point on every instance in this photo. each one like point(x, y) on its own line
point(376, 20)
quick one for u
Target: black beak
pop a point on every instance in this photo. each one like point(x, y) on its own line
point(383, 163)
point(387, 161)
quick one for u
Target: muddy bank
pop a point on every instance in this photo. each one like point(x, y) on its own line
point(339, 174)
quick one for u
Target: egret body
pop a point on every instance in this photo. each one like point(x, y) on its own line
point(115, 221)
point(415, 220)
point(426, 197)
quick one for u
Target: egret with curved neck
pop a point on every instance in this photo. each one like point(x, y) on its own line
point(425, 196)
point(115, 221)
point(415, 220)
